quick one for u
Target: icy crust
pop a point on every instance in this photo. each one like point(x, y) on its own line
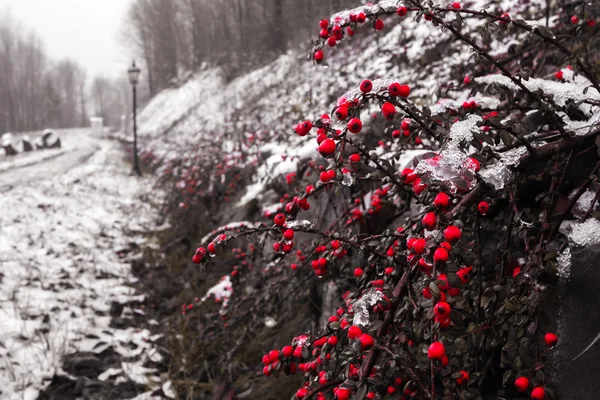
point(343, 17)
point(575, 88)
point(584, 203)
point(363, 305)
point(564, 263)
point(585, 233)
point(500, 172)
point(452, 163)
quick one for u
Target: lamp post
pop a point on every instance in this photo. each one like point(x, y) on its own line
point(134, 74)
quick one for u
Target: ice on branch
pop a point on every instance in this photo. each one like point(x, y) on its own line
point(452, 163)
point(301, 224)
point(363, 305)
point(575, 89)
point(378, 86)
point(449, 104)
point(343, 17)
point(229, 227)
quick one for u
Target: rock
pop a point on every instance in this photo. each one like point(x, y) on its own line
point(578, 326)
point(27, 146)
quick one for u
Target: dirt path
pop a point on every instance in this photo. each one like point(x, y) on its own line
point(62, 283)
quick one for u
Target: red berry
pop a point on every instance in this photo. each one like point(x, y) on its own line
point(355, 125)
point(401, 11)
point(440, 255)
point(591, 22)
point(303, 128)
point(388, 111)
point(418, 246)
point(287, 351)
point(441, 200)
point(301, 393)
point(436, 351)
point(343, 394)
point(378, 24)
point(366, 86)
point(522, 383)
point(429, 221)
point(404, 90)
point(550, 339)
point(366, 341)
point(456, 5)
point(559, 75)
point(341, 112)
point(332, 340)
point(394, 89)
point(408, 176)
point(464, 378)
point(358, 272)
point(318, 56)
point(473, 164)
point(538, 393)
point(331, 42)
point(327, 147)
point(211, 248)
point(505, 18)
point(574, 19)
point(418, 187)
point(443, 321)
point(442, 309)
point(483, 207)
point(324, 24)
point(355, 157)
point(361, 17)
point(288, 234)
point(428, 16)
point(274, 355)
point(391, 390)
point(371, 395)
point(279, 219)
point(452, 233)
point(445, 361)
point(266, 360)
point(266, 370)
point(197, 258)
point(323, 33)
point(354, 332)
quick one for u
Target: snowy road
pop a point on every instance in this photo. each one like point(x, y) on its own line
point(62, 221)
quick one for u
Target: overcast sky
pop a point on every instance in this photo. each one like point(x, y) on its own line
point(84, 30)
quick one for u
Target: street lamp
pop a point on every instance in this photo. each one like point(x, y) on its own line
point(134, 74)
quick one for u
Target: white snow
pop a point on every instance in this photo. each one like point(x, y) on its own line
point(585, 233)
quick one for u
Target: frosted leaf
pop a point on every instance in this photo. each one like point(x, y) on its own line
point(343, 17)
point(583, 204)
point(564, 263)
point(300, 224)
point(451, 163)
point(347, 179)
point(499, 173)
point(362, 307)
point(585, 233)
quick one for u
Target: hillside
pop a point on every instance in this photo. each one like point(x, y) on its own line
point(483, 108)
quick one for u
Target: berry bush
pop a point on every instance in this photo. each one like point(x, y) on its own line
point(434, 224)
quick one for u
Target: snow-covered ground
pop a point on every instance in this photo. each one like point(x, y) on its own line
point(62, 222)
